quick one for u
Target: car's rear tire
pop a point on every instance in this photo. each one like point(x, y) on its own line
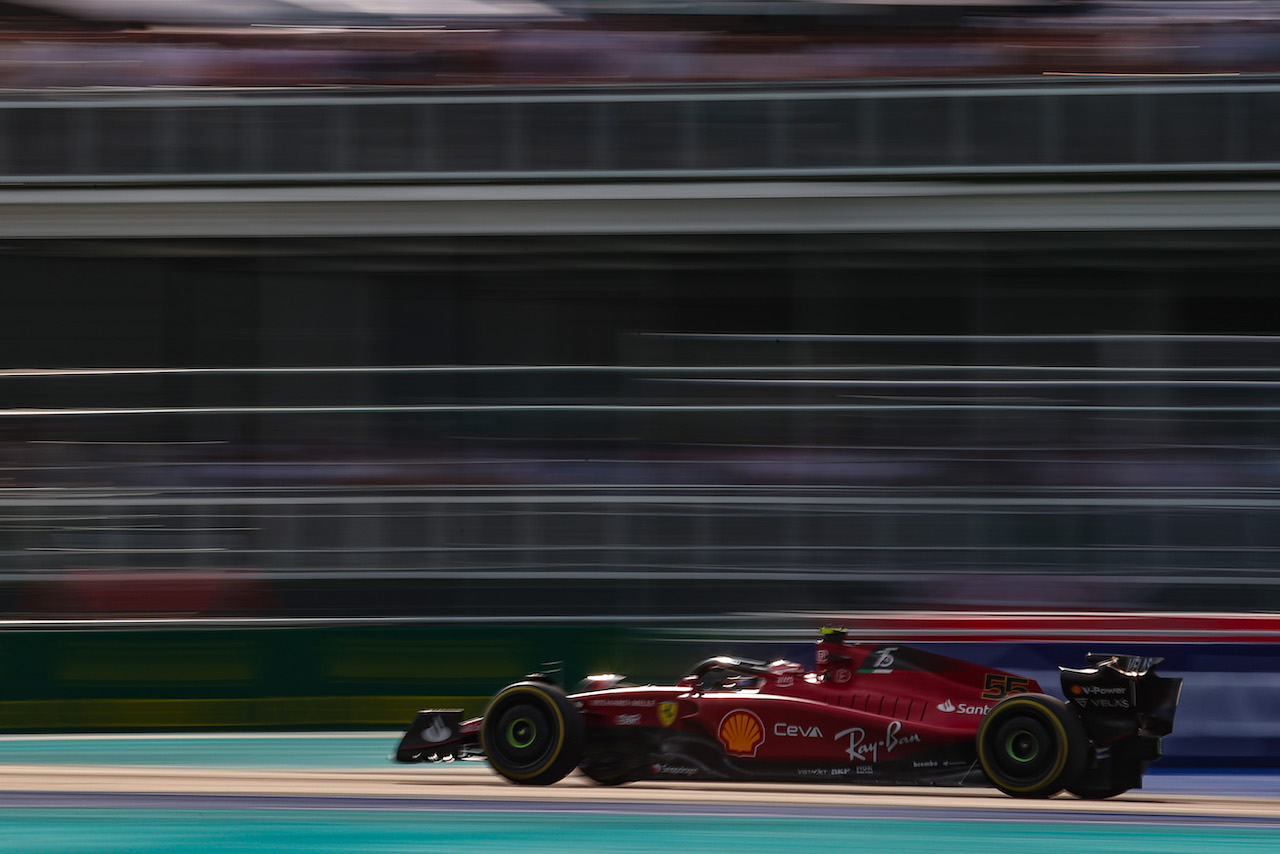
point(532, 733)
point(1032, 746)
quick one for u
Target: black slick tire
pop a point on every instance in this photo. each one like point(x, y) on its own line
point(1032, 746)
point(532, 733)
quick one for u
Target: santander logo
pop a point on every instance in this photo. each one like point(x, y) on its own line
point(962, 708)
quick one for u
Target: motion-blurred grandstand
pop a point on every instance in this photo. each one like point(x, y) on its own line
point(69, 43)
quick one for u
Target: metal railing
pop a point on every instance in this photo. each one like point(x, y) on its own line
point(907, 130)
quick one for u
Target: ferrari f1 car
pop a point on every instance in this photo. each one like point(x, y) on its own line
point(867, 713)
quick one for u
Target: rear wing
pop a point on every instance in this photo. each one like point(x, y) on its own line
point(1122, 694)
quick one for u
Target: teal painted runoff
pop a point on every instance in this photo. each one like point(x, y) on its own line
point(144, 831)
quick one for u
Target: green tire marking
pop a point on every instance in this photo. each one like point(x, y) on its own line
point(513, 733)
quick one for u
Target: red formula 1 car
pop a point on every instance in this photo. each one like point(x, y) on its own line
point(867, 713)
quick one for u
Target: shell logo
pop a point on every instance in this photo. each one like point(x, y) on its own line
point(741, 733)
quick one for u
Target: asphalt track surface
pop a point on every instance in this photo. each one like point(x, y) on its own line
point(340, 793)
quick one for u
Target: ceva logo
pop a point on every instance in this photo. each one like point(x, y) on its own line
point(946, 706)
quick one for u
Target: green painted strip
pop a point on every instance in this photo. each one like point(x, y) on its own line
point(322, 676)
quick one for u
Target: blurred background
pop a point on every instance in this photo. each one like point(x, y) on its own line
point(358, 354)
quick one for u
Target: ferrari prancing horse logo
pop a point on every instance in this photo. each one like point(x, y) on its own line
point(667, 711)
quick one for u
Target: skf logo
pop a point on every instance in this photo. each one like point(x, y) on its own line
point(741, 733)
point(667, 711)
point(946, 706)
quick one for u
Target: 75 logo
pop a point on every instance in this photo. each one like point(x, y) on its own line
point(997, 685)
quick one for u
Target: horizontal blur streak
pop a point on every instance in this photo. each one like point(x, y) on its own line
point(729, 468)
point(470, 42)
point(1019, 127)
point(625, 408)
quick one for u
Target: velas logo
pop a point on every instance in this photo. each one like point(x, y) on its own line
point(741, 733)
point(667, 710)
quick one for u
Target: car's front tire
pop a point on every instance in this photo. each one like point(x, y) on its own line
point(532, 733)
point(1032, 746)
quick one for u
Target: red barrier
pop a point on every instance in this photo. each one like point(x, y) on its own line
point(1064, 627)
